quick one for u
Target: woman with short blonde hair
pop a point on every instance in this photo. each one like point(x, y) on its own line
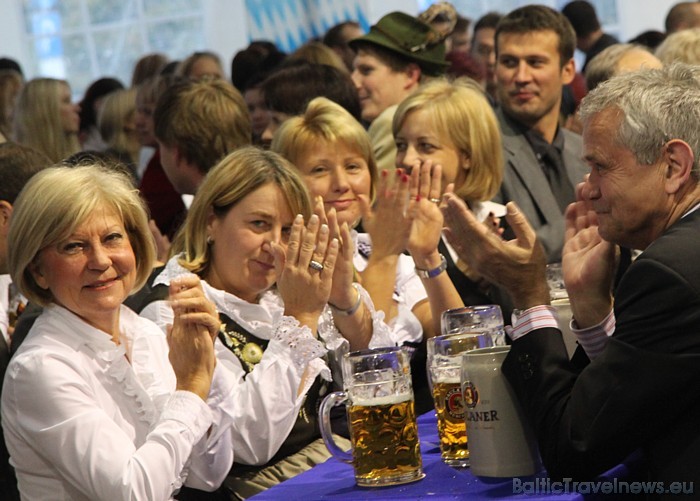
point(459, 112)
point(96, 404)
point(327, 121)
point(49, 218)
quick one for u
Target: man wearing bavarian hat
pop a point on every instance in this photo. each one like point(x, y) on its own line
point(391, 61)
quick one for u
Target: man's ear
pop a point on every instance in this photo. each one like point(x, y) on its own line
point(679, 162)
point(568, 72)
point(5, 215)
point(413, 74)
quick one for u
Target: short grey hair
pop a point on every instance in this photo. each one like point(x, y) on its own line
point(655, 106)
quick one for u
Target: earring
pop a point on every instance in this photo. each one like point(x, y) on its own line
point(210, 240)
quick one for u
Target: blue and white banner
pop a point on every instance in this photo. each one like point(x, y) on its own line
point(291, 23)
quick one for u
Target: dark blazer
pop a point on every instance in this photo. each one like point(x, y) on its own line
point(525, 183)
point(8, 481)
point(643, 391)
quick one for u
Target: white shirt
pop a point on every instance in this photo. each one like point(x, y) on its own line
point(268, 400)
point(5, 281)
point(82, 423)
point(408, 292)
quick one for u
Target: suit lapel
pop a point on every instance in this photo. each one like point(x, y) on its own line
point(523, 163)
point(576, 168)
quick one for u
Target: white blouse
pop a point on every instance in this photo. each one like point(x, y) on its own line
point(408, 291)
point(82, 423)
point(268, 400)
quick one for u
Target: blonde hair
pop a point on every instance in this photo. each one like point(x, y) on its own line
point(680, 47)
point(55, 202)
point(460, 112)
point(326, 121)
point(232, 179)
point(38, 119)
point(118, 108)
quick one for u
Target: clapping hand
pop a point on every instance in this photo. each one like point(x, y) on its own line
point(388, 222)
point(305, 270)
point(588, 262)
point(517, 265)
point(191, 337)
point(342, 292)
point(424, 211)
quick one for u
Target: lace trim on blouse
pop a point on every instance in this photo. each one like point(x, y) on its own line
point(303, 347)
point(172, 270)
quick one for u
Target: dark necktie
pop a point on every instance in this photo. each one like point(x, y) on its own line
point(553, 167)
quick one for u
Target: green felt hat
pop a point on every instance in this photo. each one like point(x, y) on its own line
point(410, 37)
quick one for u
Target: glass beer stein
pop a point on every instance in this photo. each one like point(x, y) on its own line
point(445, 371)
point(482, 318)
point(381, 417)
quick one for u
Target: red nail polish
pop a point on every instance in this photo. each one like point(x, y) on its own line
point(418, 198)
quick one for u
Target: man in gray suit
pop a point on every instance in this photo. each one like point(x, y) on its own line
point(534, 59)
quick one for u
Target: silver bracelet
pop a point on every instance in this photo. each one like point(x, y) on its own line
point(353, 308)
point(435, 271)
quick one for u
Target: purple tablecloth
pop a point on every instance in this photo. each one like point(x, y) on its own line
point(335, 480)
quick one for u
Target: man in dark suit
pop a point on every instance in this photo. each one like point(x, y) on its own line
point(634, 384)
point(534, 59)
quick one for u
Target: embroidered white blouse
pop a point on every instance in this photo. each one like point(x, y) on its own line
point(81, 422)
point(268, 400)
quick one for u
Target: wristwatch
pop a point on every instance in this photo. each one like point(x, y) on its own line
point(435, 271)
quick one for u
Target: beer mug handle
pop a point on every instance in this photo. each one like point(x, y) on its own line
point(332, 400)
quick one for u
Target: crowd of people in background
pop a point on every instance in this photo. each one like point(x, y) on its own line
point(185, 258)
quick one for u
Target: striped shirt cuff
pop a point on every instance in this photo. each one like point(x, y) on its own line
point(594, 339)
point(537, 317)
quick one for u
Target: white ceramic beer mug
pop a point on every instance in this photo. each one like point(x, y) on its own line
point(501, 442)
point(381, 417)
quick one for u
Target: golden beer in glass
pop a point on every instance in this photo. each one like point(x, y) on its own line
point(381, 417)
point(384, 439)
point(452, 428)
point(445, 375)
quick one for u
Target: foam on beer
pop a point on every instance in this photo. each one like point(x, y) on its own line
point(381, 400)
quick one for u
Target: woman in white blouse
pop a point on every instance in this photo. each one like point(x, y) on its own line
point(96, 404)
point(272, 280)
